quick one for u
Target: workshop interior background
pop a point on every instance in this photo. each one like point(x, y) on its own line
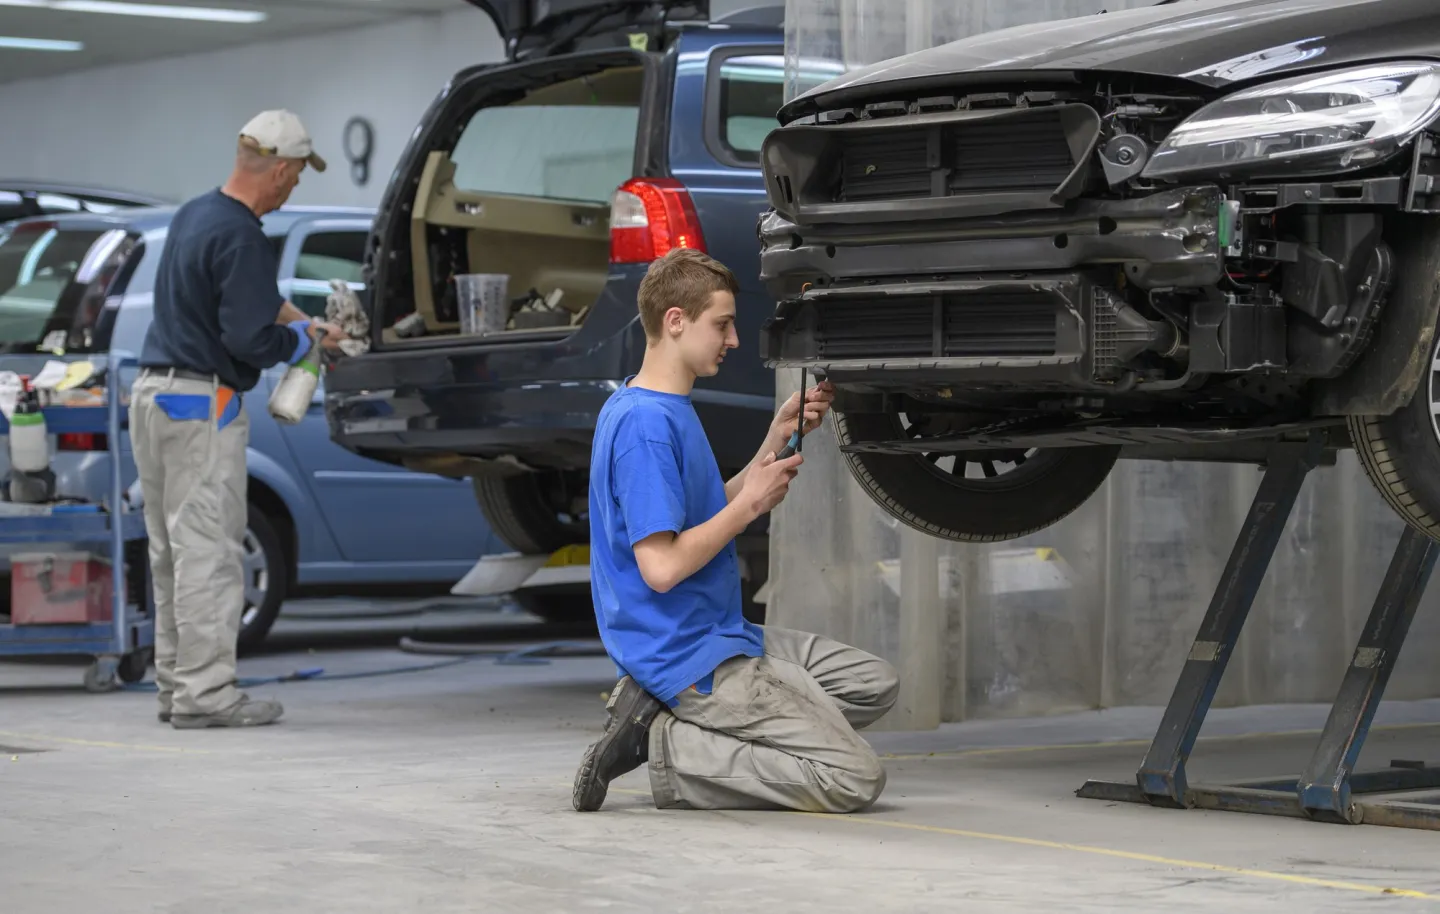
point(1096, 611)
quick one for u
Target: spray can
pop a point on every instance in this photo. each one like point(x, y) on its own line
point(291, 398)
point(29, 441)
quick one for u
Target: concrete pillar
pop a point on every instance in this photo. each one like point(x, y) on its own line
point(922, 649)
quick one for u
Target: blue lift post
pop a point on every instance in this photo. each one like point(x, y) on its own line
point(122, 646)
point(1327, 789)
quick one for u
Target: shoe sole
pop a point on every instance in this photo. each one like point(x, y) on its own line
point(205, 723)
point(588, 794)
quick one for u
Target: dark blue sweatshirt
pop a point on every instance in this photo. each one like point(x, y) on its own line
point(216, 297)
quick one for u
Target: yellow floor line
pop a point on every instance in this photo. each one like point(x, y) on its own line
point(1121, 743)
point(1312, 881)
point(101, 744)
point(1131, 855)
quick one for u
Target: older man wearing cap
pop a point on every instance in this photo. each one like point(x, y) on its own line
point(219, 321)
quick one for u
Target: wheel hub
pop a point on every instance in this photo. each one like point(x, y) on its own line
point(255, 574)
point(981, 468)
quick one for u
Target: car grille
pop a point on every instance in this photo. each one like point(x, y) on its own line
point(1000, 323)
point(1013, 154)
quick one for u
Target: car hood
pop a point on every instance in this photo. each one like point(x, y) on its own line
point(1213, 43)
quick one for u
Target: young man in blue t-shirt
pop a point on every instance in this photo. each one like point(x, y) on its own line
point(728, 714)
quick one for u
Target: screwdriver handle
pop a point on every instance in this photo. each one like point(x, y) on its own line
point(790, 447)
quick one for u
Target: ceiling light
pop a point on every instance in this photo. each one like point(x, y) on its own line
point(153, 10)
point(39, 44)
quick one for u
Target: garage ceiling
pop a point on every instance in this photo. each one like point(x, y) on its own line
point(112, 37)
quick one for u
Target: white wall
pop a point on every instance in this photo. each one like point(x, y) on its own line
point(169, 126)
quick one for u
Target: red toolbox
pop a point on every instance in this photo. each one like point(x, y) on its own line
point(60, 588)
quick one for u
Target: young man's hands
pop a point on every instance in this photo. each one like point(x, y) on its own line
point(767, 483)
point(817, 403)
point(818, 400)
point(665, 559)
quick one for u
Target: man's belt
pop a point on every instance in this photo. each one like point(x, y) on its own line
point(185, 373)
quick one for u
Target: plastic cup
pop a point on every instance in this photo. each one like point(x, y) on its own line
point(483, 301)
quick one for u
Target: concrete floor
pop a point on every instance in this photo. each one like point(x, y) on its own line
point(449, 790)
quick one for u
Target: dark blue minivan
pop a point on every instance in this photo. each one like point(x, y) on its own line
point(614, 131)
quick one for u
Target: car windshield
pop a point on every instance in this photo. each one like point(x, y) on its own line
point(42, 305)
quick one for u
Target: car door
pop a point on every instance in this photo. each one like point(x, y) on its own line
point(376, 512)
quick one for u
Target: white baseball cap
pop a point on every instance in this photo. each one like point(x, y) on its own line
point(280, 133)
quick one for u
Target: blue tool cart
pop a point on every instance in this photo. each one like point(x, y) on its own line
point(123, 647)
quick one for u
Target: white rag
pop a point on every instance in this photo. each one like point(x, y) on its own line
point(343, 309)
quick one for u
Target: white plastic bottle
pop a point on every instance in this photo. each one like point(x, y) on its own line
point(293, 394)
point(29, 443)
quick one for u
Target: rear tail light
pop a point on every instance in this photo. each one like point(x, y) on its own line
point(649, 218)
point(82, 441)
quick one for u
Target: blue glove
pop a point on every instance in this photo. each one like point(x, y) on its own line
point(302, 330)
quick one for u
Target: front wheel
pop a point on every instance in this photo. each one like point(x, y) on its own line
point(266, 575)
point(1401, 451)
point(980, 496)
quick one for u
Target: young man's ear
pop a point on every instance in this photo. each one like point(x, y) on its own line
point(674, 320)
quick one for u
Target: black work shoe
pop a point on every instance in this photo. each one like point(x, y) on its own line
point(624, 747)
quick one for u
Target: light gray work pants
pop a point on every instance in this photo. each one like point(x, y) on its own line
point(776, 732)
point(192, 474)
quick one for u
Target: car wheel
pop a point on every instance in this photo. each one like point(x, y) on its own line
point(1401, 452)
point(569, 605)
point(266, 576)
point(534, 513)
point(980, 496)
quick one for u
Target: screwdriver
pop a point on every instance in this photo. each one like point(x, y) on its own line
point(792, 447)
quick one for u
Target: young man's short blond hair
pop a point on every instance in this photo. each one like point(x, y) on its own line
point(686, 279)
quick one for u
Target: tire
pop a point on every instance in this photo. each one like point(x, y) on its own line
point(1400, 451)
point(266, 578)
point(521, 512)
point(569, 605)
point(1044, 486)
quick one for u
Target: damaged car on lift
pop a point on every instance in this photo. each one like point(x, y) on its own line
point(1195, 230)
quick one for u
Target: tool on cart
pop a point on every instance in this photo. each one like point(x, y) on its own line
point(31, 479)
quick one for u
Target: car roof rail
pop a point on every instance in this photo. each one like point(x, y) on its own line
point(769, 16)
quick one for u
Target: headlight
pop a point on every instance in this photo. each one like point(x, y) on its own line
point(1328, 122)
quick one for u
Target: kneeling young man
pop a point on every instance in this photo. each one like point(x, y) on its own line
point(729, 715)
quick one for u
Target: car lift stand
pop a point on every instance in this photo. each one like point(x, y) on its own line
point(1329, 788)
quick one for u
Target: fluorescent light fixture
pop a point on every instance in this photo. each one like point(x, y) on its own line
point(39, 44)
point(153, 10)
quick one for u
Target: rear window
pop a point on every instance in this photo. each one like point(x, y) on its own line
point(53, 283)
point(571, 141)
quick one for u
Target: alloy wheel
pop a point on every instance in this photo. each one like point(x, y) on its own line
point(992, 469)
point(255, 571)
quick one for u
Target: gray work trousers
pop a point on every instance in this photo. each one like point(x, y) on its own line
point(776, 732)
point(193, 477)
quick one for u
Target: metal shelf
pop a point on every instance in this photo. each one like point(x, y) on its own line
point(120, 646)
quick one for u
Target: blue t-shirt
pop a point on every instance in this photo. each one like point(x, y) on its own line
point(652, 470)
